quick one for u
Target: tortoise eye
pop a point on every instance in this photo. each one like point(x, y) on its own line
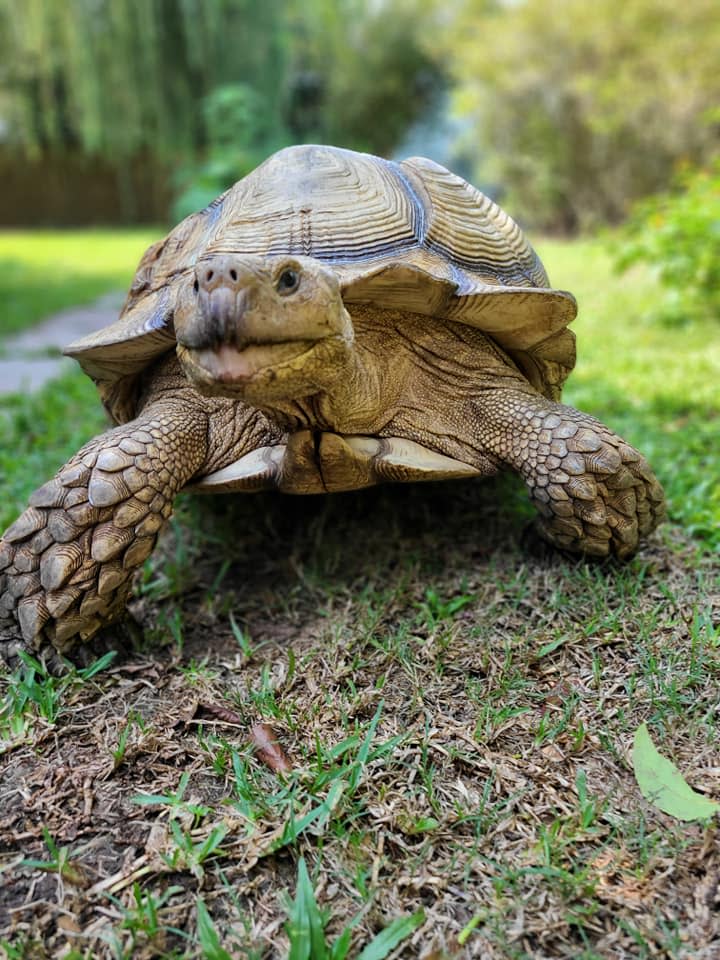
point(288, 282)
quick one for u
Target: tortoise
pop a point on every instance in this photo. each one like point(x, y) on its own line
point(332, 321)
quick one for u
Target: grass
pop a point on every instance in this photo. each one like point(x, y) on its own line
point(42, 272)
point(457, 711)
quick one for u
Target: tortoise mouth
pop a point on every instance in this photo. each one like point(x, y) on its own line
point(230, 366)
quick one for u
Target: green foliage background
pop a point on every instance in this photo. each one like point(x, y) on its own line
point(210, 86)
point(567, 112)
point(581, 108)
point(570, 114)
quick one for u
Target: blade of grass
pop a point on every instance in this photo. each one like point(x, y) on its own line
point(381, 945)
point(208, 935)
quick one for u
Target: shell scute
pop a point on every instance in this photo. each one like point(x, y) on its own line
point(470, 229)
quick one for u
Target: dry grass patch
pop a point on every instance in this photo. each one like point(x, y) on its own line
point(457, 711)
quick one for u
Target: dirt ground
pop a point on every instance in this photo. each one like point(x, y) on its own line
point(457, 706)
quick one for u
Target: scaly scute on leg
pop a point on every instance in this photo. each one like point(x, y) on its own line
point(66, 564)
point(595, 494)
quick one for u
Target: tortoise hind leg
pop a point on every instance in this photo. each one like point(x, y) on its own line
point(66, 564)
point(595, 493)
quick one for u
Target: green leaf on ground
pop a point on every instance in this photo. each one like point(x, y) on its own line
point(663, 785)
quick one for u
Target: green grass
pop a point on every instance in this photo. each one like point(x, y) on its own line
point(407, 798)
point(39, 432)
point(42, 271)
point(306, 928)
point(32, 693)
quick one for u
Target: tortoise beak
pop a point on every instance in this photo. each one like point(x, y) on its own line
point(224, 295)
point(221, 314)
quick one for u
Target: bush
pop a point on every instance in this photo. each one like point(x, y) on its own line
point(678, 234)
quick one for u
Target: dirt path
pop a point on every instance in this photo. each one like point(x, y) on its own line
point(29, 359)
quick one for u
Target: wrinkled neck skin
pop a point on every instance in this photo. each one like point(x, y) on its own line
point(404, 375)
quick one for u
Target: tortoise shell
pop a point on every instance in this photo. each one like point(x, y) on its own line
point(408, 235)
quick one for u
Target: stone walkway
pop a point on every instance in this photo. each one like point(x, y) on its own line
point(29, 359)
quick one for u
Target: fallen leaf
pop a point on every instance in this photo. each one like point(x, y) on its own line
point(553, 753)
point(267, 747)
point(662, 784)
point(559, 694)
point(216, 711)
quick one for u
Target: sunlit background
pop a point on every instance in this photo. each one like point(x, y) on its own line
point(137, 111)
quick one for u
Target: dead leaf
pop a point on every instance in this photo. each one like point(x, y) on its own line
point(553, 753)
point(157, 838)
point(68, 924)
point(216, 711)
point(268, 749)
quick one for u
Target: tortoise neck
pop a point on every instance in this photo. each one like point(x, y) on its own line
point(353, 397)
point(403, 374)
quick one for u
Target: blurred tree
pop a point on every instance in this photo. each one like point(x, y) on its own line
point(360, 71)
point(208, 85)
point(120, 76)
point(239, 137)
point(357, 76)
point(583, 107)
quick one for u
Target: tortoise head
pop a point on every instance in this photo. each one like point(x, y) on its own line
point(262, 328)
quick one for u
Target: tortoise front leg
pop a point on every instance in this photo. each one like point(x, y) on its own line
point(595, 493)
point(66, 565)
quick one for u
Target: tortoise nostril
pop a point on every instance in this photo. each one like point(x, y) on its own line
point(196, 286)
point(209, 275)
point(233, 275)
